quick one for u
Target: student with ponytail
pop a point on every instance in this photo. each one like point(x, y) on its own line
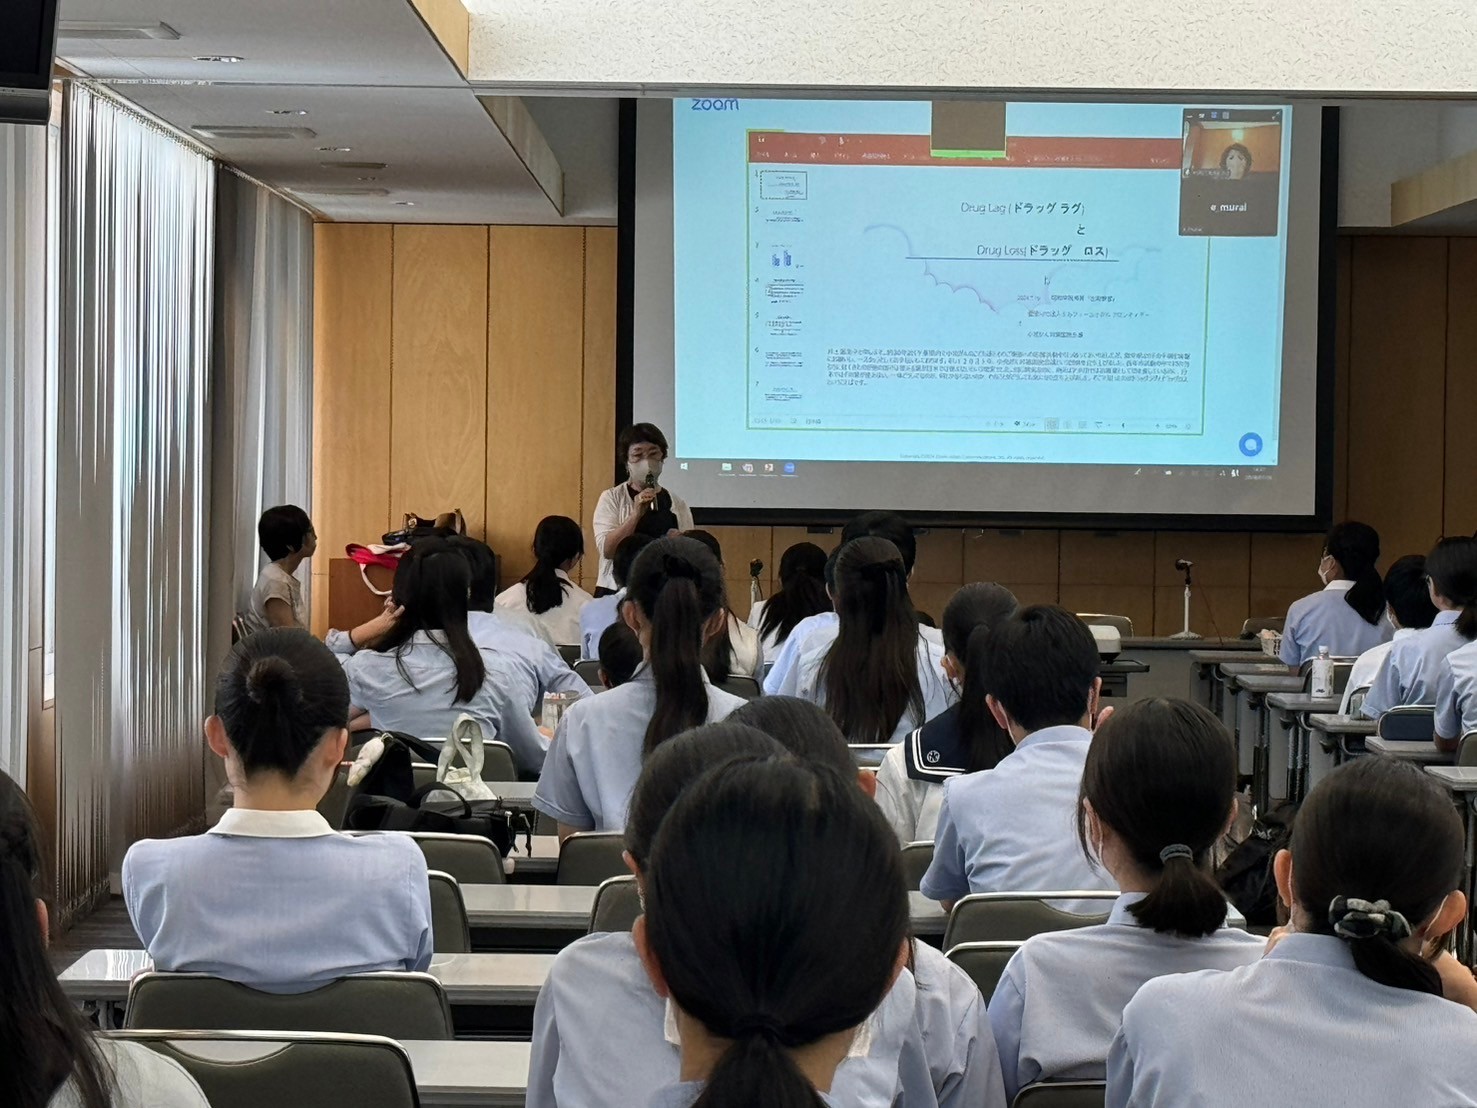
point(880, 677)
point(547, 591)
point(428, 670)
point(1413, 666)
point(272, 896)
point(1359, 1002)
point(1158, 790)
point(1348, 615)
point(675, 603)
point(962, 739)
point(736, 649)
point(801, 594)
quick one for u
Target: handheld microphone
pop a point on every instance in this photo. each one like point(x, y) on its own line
point(1183, 564)
point(650, 481)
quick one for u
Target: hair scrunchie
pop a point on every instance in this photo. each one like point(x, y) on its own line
point(1353, 918)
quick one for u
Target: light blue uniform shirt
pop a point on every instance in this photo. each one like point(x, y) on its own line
point(685, 1094)
point(1325, 619)
point(1013, 829)
point(280, 901)
point(1301, 1026)
point(425, 704)
point(1456, 693)
point(596, 754)
point(938, 694)
point(782, 677)
point(1411, 668)
point(1061, 999)
point(601, 1037)
point(595, 617)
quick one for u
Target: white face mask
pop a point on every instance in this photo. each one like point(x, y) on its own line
point(638, 470)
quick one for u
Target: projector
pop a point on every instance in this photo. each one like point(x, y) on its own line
point(1109, 641)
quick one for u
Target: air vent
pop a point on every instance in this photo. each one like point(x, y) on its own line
point(347, 190)
point(353, 165)
point(102, 29)
point(243, 132)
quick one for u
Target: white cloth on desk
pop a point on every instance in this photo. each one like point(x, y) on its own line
point(1362, 672)
point(613, 509)
point(275, 583)
point(562, 622)
point(144, 1079)
point(1326, 619)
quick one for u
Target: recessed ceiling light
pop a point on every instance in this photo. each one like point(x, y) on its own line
point(107, 29)
point(361, 166)
point(286, 111)
point(405, 203)
point(227, 59)
point(334, 149)
point(345, 190)
point(366, 178)
point(207, 130)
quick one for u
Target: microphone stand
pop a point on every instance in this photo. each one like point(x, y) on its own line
point(1186, 634)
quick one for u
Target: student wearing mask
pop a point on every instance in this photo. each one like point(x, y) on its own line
point(288, 540)
point(802, 593)
point(1009, 829)
point(964, 738)
point(737, 649)
point(620, 655)
point(426, 671)
point(1348, 615)
point(272, 896)
point(1158, 791)
point(604, 611)
point(879, 678)
point(1413, 666)
point(1408, 607)
point(52, 1055)
point(674, 603)
point(1352, 1005)
point(547, 591)
point(822, 627)
point(639, 504)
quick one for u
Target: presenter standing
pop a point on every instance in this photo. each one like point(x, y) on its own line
point(639, 504)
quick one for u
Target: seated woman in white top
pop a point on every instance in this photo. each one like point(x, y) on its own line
point(427, 670)
point(272, 896)
point(288, 540)
point(1158, 790)
point(1408, 607)
point(1348, 615)
point(773, 970)
point(52, 1056)
point(880, 678)
point(737, 650)
point(964, 738)
point(546, 591)
point(674, 603)
point(1358, 1002)
point(802, 593)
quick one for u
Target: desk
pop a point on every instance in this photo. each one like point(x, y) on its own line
point(1209, 688)
point(543, 862)
point(1339, 739)
point(515, 794)
point(463, 1074)
point(1272, 760)
point(1461, 782)
point(1115, 675)
point(1291, 711)
point(1421, 753)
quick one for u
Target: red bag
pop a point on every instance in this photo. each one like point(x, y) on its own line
point(387, 557)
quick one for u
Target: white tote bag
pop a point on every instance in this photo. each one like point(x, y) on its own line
point(464, 743)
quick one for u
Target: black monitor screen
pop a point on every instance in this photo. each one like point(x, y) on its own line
point(27, 37)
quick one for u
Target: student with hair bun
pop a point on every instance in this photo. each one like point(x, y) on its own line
point(272, 896)
point(1359, 1002)
point(1347, 616)
point(1158, 790)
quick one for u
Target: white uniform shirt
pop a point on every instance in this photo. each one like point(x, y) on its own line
point(1061, 999)
point(783, 675)
point(1014, 828)
point(1362, 672)
point(601, 1037)
point(1456, 693)
point(1413, 666)
point(143, 1079)
point(416, 692)
point(613, 509)
point(1301, 1026)
point(275, 583)
point(1325, 619)
point(561, 621)
point(911, 807)
point(596, 755)
point(938, 694)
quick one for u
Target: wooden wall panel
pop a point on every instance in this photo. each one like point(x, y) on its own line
point(1397, 371)
point(597, 421)
point(438, 435)
point(1134, 601)
point(1024, 557)
point(1343, 292)
point(1459, 509)
point(351, 393)
point(1283, 568)
point(1221, 597)
point(534, 385)
point(940, 557)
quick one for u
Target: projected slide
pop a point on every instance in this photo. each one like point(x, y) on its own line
point(975, 281)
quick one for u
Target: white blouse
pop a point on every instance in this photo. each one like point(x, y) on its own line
point(562, 622)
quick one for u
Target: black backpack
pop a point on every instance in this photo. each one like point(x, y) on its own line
point(1246, 874)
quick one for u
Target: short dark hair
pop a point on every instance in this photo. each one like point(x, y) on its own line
point(1042, 663)
point(619, 652)
point(625, 556)
point(800, 726)
point(639, 432)
point(1406, 592)
point(884, 525)
point(1452, 569)
point(283, 530)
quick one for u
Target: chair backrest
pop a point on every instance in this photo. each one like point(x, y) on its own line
point(466, 859)
point(868, 755)
point(746, 687)
point(590, 857)
point(398, 1005)
point(916, 859)
point(1257, 624)
point(450, 931)
point(570, 652)
point(1408, 723)
point(1122, 624)
point(617, 905)
point(497, 762)
point(1015, 917)
point(246, 1069)
point(589, 669)
point(1466, 751)
point(1356, 699)
point(335, 801)
point(422, 773)
point(1063, 1094)
point(1342, 668)
point(984, 962)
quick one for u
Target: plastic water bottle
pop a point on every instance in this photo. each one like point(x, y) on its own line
point(1321, 683)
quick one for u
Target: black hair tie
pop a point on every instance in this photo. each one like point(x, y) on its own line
point(759, 1027)
point(675, 566)
point(878, 572)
